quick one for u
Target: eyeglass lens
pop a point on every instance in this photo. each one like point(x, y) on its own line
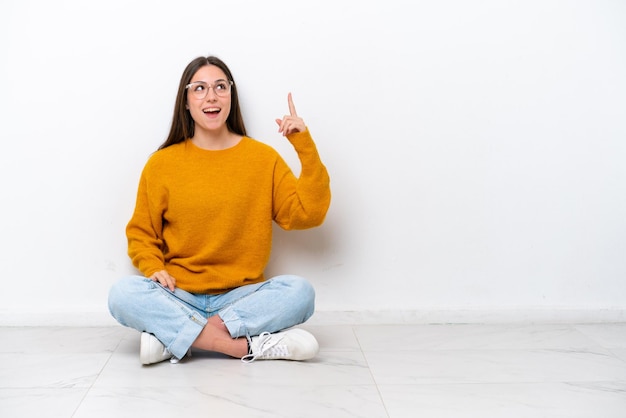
point(200, 89)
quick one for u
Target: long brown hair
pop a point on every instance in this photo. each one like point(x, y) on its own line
point(183, 126)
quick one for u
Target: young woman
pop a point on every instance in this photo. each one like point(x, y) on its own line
point(201, 232)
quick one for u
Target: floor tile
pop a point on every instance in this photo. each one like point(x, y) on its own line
point(487, 366)
point(472, 337)
point(267, 401)
point(620, 353)
point(28, 403)
point(50, 370)
point(60, 340)
point(510, 400)
point(335, 338)
point(608, 335)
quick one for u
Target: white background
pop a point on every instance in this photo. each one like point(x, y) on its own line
point(477, 149)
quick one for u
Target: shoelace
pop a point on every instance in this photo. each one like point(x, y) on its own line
point(266, 347)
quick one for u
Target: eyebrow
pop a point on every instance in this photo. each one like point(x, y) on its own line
point(202, 81)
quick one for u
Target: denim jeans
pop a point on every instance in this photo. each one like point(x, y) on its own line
point(177, 318)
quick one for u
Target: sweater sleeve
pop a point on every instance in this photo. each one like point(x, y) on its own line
point(303, 202)
point(145, 229)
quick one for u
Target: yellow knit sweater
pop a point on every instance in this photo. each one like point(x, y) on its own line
point(206, 216)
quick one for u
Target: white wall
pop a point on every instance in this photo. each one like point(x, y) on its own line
point(477, 149)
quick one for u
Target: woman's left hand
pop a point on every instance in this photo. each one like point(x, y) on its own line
point(290, 123)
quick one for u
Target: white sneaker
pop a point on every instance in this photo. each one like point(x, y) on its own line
point(293, 344)
point(151, 350)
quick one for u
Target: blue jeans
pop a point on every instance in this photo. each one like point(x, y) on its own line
point(177, 318)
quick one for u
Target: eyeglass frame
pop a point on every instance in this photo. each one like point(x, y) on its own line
point(231, 83)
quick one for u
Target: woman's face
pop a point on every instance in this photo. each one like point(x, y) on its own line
point(211, 112)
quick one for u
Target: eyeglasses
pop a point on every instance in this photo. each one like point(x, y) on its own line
point(199, 89)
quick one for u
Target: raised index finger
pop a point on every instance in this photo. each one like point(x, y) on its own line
point(292, 108)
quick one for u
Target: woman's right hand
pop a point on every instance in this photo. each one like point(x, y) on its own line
point(290, 123)
point(165, 279)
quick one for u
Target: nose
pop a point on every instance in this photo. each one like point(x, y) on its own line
point(210, 94)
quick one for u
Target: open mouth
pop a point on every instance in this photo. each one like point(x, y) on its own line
point(212, 110)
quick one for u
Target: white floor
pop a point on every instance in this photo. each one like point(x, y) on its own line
point(391, 371)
